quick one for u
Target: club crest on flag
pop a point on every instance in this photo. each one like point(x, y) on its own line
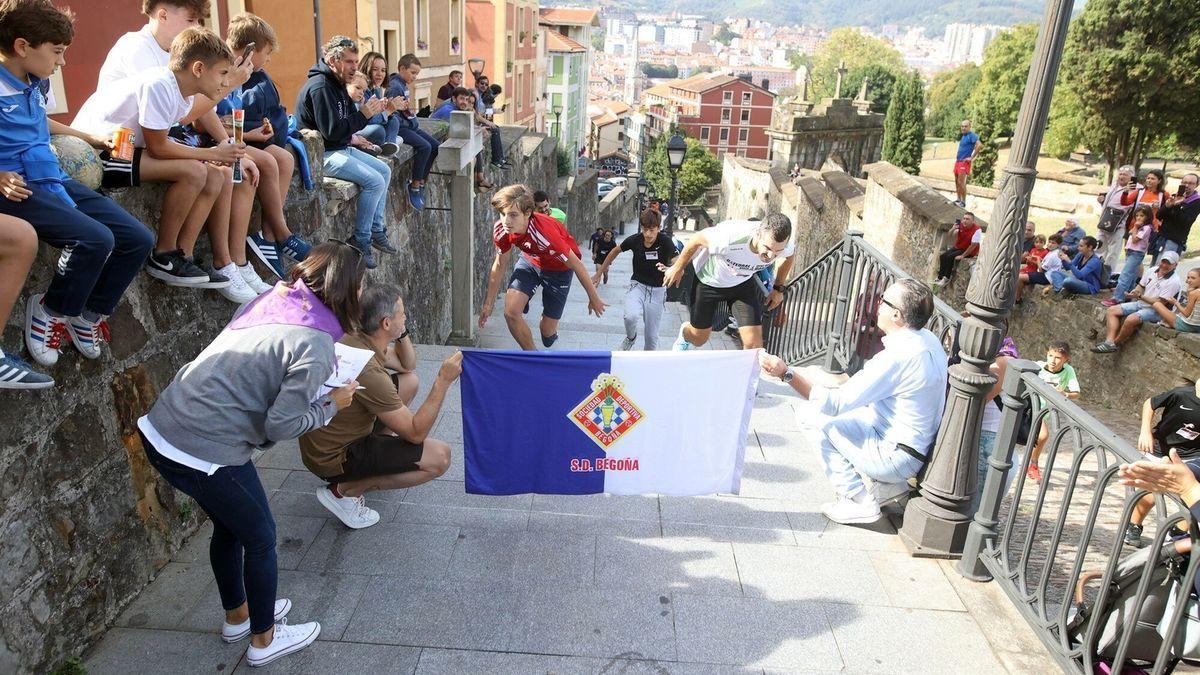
point(607, 414)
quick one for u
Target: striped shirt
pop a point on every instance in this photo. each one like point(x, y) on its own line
point(545, 243)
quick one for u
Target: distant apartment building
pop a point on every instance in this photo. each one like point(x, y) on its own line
point(963, 42)
point(504, 33)
point(772, 78)
point(608, 135)
point(569, 45)
point(727, 113)
point(680, 37)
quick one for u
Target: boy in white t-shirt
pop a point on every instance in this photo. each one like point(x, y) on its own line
point(151, 103)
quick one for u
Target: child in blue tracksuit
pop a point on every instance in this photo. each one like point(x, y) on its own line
point(424, 146)
point(103, 247)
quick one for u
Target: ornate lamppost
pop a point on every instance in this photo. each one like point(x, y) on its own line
point(676, 152)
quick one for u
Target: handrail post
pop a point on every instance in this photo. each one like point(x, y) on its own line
point(983, 529)
point(837, 332)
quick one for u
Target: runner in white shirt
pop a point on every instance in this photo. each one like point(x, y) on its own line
point(727, 257)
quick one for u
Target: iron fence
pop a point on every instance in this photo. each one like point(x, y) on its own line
point(1056, 546)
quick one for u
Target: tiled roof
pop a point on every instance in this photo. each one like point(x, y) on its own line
point(557, 42)
point(569, 16)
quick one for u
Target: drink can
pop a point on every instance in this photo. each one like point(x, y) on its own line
point(122, 140)
point(239, 123)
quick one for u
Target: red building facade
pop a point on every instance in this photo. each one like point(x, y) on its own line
point(726, 113)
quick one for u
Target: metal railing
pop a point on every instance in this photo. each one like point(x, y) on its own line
point(829, 309)
point(1057, 546)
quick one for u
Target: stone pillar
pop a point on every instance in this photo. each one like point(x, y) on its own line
point(456, 156)
point(935, 524)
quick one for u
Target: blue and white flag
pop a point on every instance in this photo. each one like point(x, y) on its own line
point(589, 422)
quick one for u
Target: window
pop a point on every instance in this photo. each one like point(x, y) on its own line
point(745, 116)
point(421, 27)
point(724, 135)
point(727, 97)
point(726, 115)
point(391, 42)
point(705, 133)
point(520, 90)
point(743, 135)
point(741, 152)
point(509, 50)
point(746, 97)
point(456, 23)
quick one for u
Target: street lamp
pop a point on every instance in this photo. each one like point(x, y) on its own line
point(676, 150)
point(643, 186)
point(476, 66)
point(557, 129)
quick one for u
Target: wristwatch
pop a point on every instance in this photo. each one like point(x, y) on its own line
point(788, 375)
point(780, 287)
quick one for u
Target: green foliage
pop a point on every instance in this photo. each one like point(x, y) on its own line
point(724, 35)
point(660, 72)
point(858, 51)
point(597, 40)
point(565, 163)
point(72, 666)
point(1134, 74)
point(948, 96)
point(1004, 72)
point(701, 170)
point(880, 82)
point(983, 119)
point(904, 126)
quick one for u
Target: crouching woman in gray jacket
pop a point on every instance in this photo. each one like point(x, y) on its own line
point(259, 382)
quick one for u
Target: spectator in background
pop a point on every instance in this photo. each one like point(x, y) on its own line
point(18, 247)
point(541, 202)
point(1153, 194)
point(605, 246)
point(424, 146)
point(1071, 233)
point(989, 425)
point(1182, 315)
point(1114, 215)
point(453, 81)
point(482, 90)
point(1032, 257)
point(463, 99)
point(1080, 274)
point(383, 128)
point(324, 106)
point(969, 146)
point(1058, 373)
point(1028, 241)
point(967, 237)
point(1141, 230)
point(1049, 262)
point(1125, 319)
point(1178, 215)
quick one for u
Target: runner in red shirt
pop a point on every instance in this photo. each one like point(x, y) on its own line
point(549, 256)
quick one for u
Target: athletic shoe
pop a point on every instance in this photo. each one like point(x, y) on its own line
point(389, 149)
point(1105, 347)
point(352, 511)
point(215, 281)
point(295, 248)
point(1110, 302)
point(1034, 473)
point(415, 198)
point(287, 640)
point(627, 343)
point(236, 291)
point(267, 252)
point(16, 374)
point(960, 203)
point(1133, 536)
point(173, 269)
point(88, 335)
point(45, 335)
point(849, 512)
point(379, 242)
point(502, 165)
point(681, 343)
point(231, 633)
point(252, 279)
point(368, 259)
point(549, 340)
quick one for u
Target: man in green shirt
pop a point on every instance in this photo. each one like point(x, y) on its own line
point(541, 202)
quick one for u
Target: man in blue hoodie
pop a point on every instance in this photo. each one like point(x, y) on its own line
point(324, 106)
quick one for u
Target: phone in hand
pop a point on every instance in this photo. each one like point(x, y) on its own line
point(245, 55)
point(1181, 191)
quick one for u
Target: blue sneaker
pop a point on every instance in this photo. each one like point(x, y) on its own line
point(416, 197)
point(267, 252)
point(681, 343)
point(16, 374)
point(295, 248)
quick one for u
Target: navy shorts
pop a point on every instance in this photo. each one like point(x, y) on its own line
point(526, 278)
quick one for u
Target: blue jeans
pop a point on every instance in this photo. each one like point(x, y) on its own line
point(103, 247)
point(987, 445)
point(372, 176)
point(1129, 274)
point(1060, 280)
point(425, 148)
point(382, 133)
point(242, 550)
point(851, 448)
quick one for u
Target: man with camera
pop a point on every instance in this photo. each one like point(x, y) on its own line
point(1179, 213)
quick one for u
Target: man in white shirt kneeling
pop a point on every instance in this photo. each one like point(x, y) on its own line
point(881, 423)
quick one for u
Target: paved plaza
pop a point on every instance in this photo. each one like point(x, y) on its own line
point(454, 583)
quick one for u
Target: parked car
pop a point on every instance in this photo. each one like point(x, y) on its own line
point(619, 180)
point(603, 188)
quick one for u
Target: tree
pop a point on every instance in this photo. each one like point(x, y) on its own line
point(983, 120)
point(948, 95)
point(724, 35)
point(880, 81)
point(701, 170)
point(658, 72)
point(1134, 72)
point(858, 51)
point(1004, 72)
point(904, 126)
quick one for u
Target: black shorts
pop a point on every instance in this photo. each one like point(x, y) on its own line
point(378, 455)
point(119, 173)
point(744, 301)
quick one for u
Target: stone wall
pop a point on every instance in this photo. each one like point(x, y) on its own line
point(746, 189)
point(85, 522)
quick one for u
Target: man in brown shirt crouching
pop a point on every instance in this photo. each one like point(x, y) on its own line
point(377, 442)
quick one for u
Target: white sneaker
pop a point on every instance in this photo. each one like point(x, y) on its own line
point(681, 343)
point(352, 511)
point(87, 336)
point(627, 343)
point(252, 279)
point(237, 291)
point(287, 640)
point(231, 633)
point(45, 335)
point(847, 511)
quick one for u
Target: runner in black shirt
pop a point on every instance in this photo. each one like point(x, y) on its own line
point(603, 248)
point(652, 252)
point(1178, 429)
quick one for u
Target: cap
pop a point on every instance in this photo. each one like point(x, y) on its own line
point(1171, 257)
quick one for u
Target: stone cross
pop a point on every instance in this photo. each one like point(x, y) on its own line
point(841, 72)
point(805, 81)
point(862, 90)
